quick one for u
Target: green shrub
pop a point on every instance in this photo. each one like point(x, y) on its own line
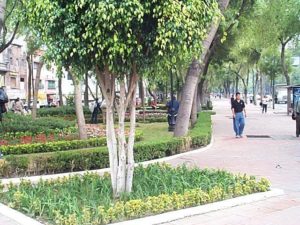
point(156, 189)
point(14, 123)
point(56, 146)
point(60, 111)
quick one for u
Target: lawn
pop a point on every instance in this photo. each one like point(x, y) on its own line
point(154, 132)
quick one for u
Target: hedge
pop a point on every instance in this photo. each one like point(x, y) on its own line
point(88, 159)
point(57, 146)
point(14, 124)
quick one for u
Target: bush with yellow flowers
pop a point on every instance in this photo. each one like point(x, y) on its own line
point(157, 188)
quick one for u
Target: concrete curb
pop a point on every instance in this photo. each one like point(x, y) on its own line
point(16, 216)
point(188, 212)
point(165, 217)
point(35, 179)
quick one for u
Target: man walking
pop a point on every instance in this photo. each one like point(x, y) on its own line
point(239, 114)
point(233, 120)
point(264, 104)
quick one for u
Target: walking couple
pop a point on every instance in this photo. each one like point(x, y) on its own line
point(238, 114)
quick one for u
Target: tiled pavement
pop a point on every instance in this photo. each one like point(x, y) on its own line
point(277, 158)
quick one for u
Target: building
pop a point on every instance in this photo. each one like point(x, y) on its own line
point(13, 70)
point(14, 76)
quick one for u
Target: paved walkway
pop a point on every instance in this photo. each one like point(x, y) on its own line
point(276, 158)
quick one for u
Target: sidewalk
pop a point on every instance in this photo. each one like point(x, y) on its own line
point(276, 158)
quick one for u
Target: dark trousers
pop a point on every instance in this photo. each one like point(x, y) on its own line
point(297, 125)
point(264, 108)
point(94, 117)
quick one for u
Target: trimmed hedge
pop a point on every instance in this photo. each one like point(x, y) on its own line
point(57, 146)
point(88, 159)
point(60, 111)
point(52, 146)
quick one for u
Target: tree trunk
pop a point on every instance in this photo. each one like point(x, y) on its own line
point(191, 80)
point(2, 15)
point(194, 108)
point(286, 75)
point(79, 108)
point(261, 87)
point(183, 118)
point(121, 156)
point(61, 101)
point(255, 87)
point(36, 90)
point(142, 96)
point(29, 79)
point(236, 84)
point(199, 106)
point(86, 90)
point(273, 91)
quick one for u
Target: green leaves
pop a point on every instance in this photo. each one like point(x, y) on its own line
point(114, 33)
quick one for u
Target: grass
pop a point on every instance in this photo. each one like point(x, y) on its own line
point(88, 199)
point(154, 132)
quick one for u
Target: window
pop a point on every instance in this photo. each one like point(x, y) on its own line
point(51, 84)
point(22, 79)
point(13, 82)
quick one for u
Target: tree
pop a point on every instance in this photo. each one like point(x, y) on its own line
point(9, 22)
point(33, 46)
point(279, 22)
point(270, 65)
point(119, 40)
point(191, 80)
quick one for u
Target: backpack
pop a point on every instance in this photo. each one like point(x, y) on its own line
point(3, 96)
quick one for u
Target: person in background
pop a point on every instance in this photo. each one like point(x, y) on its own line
point(173, 107)
point(18, 107)
point(233, 120)
point(239, 114)
point(95, 112)
point(296, 114)
point(264, 104)
point(153, 103)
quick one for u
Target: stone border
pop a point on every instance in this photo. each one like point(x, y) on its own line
point(35, 179)
point(203, 209)
point(17, 216)
point(165, 217)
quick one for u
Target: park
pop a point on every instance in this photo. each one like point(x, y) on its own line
point(149, 112)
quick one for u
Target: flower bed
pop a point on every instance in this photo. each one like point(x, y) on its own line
point(158, 188)
point(87, 159)
point(19, 138)
point(57, 146)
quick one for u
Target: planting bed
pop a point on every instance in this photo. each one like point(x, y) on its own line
point(158, 188)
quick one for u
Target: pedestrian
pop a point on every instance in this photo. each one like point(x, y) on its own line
point(233, 120)
point(95, 112)
point(173, 107)
point(296, 116)
point(18, 107)
point(264, 104)
point(239, 114)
